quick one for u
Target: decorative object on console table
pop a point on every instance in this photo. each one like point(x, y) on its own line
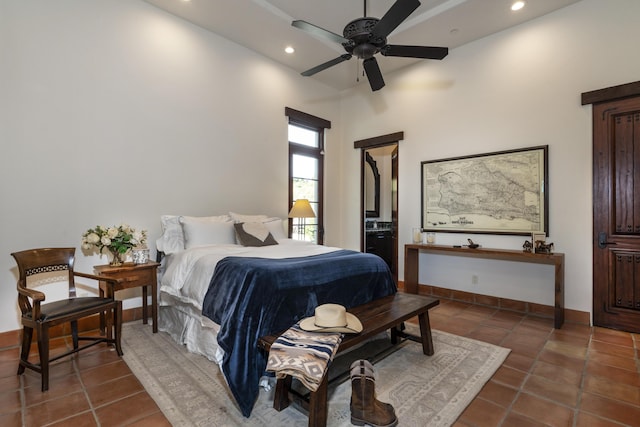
point(118, 241)
point(301, 210)
point(133, 275)
point(140, 255)
point(417, 235)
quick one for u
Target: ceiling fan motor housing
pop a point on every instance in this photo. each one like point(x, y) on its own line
point(361, 44)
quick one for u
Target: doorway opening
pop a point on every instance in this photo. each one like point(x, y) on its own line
point(379, 198)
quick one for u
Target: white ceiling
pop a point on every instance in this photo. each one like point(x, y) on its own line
point(265, 27)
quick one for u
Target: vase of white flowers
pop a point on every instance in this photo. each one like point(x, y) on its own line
point(116, 240)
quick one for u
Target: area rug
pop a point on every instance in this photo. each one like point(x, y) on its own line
point(425, 391)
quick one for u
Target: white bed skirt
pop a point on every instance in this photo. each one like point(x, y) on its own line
point(186, 325)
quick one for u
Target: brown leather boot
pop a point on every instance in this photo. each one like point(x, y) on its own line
point(365, 408)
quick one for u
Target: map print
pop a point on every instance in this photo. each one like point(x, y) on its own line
point(492, 193)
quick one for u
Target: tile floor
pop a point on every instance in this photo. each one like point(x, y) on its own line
point(575, 376)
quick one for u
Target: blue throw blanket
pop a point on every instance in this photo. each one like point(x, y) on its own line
point(253, 297)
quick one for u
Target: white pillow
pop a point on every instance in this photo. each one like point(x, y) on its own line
point(207, 231)
point(247, 218)
point(172, 239)
point(276, 228)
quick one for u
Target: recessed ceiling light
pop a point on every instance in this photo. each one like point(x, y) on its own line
point(517, 5)
point(289, 49)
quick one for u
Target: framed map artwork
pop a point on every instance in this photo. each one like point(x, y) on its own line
point(504, 192)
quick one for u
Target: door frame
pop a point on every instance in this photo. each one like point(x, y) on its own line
point(375, 142)
point(602, 99)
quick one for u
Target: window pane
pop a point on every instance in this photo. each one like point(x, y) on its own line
point(305, 167)
point(303, 136)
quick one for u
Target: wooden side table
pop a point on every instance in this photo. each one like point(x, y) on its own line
point(133, 276)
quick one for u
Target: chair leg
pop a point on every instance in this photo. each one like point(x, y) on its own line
point(27, 336)
point(74, 333)
point(43, 351)
point(117, 326)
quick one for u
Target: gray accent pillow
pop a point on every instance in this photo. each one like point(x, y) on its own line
point(254, 234)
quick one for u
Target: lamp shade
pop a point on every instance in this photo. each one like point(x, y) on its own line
point(301, 209)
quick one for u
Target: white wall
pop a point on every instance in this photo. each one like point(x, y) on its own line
point(114, 111)
point(518, 88)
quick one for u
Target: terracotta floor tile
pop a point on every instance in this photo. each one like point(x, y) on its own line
point(557, 373)
point(559, 335)
point(588, 420)
point(8, 368)
point(489, 334)
point(611, 373)
point(9, 383)
point(519, 362)
point(13, 419)
point(543, 410)
point(559, 359)
point(102, 374)
point(10, 355)
point(126, 411)
point(498, 393)
point(58, 387)
point(610, 409)
point(612, 336)
point(577, 352)
point(154, 420)
point(509, 377)
point(612, 349)
point(521, 346)
point(86, 419)
point(543, 324)
point(561, 393)
point(516, 420)
point(603, 387)
point(482, 413)
point(10, 401)
point(457, 326)
point(56, 409)
point(546, 365)
point(97, 358)
point(615, 361)
point(113, 390)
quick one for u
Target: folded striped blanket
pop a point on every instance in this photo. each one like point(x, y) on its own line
point(303, 355)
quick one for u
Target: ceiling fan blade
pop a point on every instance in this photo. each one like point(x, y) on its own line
point(426, 52)
point(318, 68)
point(318, 31)
point(373, 73)
point(400, 11)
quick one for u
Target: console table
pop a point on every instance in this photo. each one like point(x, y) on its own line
point(411, 266)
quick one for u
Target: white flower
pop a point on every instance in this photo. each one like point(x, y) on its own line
point(137, 237)
point(92, 238)
point(112, 232)
point(106, 241)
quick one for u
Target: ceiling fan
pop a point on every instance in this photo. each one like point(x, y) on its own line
point(366, 36)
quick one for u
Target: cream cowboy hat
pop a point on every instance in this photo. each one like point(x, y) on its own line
point(331, 318)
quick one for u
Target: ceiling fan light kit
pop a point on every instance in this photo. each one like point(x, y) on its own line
point(367, 36)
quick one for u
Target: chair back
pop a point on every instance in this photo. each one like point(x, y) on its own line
point(39, 261)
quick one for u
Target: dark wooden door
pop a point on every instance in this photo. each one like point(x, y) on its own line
point(616, 214)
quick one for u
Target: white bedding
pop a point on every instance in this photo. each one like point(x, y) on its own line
point(186, 279)
point(188, 272)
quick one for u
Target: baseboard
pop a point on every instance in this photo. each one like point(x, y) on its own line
point(541, 310)
point(12, 338)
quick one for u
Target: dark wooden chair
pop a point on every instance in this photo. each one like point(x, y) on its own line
point(35, 263)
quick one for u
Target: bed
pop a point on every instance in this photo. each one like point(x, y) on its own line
point(228, 280)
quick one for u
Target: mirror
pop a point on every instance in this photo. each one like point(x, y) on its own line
point(371, 188)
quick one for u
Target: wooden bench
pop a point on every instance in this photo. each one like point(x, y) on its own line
point(376, 317)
